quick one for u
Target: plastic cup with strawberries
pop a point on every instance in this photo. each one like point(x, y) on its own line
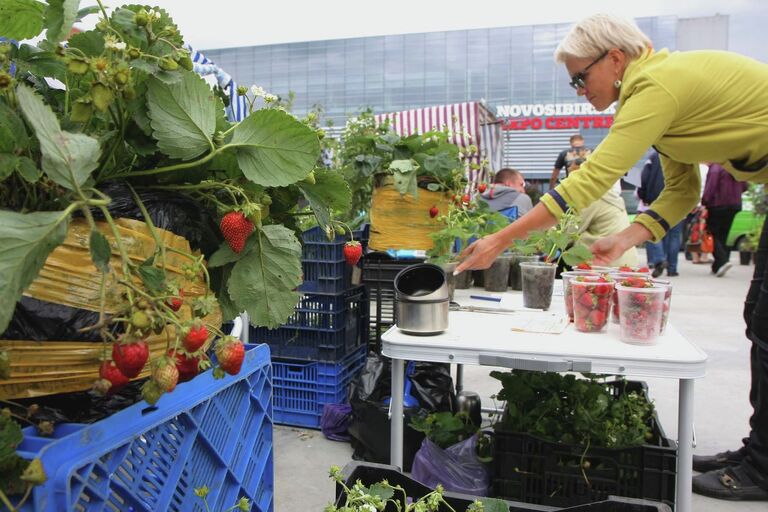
point(591, 297)
point(631, 278)
point(667, 285)
point(640, 310)
point(567, 292)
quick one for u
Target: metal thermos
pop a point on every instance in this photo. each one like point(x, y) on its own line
point(469, 402)
point(422, 299)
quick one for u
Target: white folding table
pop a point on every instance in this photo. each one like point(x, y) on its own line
point(486, 339)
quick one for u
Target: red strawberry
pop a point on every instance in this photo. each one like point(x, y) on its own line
point(584, 266)
point(236, 230)
point(165, 374)
point(433, 211)
point(130, 358)
point(465, 199)
point(603, 289)
point(586, 300)
point(175, 302)
point(481, 187)
point(112, 373)
point(625, 268)
point(597, 318)
point(195, 337)
point(352, 252)
point(230, 353)
point(643, 269)
point(187, 366)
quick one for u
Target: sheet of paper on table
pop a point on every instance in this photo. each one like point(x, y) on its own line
point(545, 322)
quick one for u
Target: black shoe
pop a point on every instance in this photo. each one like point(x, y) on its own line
point(704, 463)
point(658, 269)
point(672, 274)
point(731, 483)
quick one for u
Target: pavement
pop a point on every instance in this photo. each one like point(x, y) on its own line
point(705, 309)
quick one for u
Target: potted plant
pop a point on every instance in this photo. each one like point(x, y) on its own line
point(559, 242)
point(462, 223)
point(118, 108)
point(404, 182)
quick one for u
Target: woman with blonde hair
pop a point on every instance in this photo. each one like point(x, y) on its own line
point(695, 106)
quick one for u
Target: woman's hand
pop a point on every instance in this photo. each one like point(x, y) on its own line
point(607, 250)
point(480, 255)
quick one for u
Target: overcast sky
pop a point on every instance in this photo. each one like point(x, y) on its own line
point(228, 23)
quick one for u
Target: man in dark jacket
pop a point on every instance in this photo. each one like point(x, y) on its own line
point(722, 198)
point(662, 254)
point(507, 191)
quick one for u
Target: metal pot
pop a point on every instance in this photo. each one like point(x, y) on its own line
point(469, 402)
point(422, 299)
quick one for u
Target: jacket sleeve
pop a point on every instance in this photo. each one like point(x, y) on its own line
point(643, 119)
point(682, 183)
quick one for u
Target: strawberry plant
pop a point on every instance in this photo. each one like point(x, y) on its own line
point(119, 106)
point(560, 242)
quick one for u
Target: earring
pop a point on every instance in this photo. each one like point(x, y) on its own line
point(617, 84)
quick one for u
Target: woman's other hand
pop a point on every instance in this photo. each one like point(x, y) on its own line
point(607, 250)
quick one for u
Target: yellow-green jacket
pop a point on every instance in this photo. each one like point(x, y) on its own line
point(697, 106)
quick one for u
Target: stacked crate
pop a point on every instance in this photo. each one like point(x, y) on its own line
point(322, 345)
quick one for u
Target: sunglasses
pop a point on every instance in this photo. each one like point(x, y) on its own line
point(577, 80)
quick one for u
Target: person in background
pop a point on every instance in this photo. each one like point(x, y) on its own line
point(606, 216)
point(507, 191)
point(722, 197)
point(698, 106)
point(567, 157)
point(663, 254)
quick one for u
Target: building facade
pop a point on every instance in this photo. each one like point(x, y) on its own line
point(510, 69)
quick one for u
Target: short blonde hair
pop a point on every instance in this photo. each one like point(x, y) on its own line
point(592, 36)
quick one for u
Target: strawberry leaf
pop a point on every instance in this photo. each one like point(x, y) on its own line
point(183, 115)
point(223, 255)
point(405, 176)
point(262, 282)
point(21, 19)
point(26, 240)
point(274, 149)
point(329, 192)
point(100, 251)
point(153, 278)
point(59, 18)
point(68, 158)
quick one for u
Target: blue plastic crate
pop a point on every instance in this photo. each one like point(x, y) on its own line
point(322, 261)
point(301, 389)
point(322, 327)
point(209, 432)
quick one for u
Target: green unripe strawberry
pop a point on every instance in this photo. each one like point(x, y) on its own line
point(310, 178)
point(78, 66)
point(82, 110)
point(129, 93)
point(122, 76)
point(5, 80)
point(186, 62)
point(140, 320)
point(151, 392)
point(266, 200)
point(168, 64)
point(134, 53)
point(102, 96)
point(141, 18)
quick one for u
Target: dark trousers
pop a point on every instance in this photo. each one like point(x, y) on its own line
point(756, 317)
point(719, 223)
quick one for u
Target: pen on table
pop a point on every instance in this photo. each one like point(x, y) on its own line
point(485, 297)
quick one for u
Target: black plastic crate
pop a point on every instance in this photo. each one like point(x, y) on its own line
point(530, 469)
point(379, 271)
point(369, 473)
point(321, 328)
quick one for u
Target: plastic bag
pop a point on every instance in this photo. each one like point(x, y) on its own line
point(369, 429)
point(456, 468)
point(335, 421)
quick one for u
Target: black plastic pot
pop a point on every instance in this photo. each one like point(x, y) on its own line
point(745, 257)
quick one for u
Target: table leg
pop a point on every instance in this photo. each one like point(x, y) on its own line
point(685, 446)
point(396, 422)
point(459, 378)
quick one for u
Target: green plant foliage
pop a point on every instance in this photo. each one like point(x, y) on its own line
point(565, 409)
point(558, 242)
point(444, 428)
point(21, 19)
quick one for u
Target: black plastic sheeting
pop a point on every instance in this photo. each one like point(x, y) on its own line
point(37, 320)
